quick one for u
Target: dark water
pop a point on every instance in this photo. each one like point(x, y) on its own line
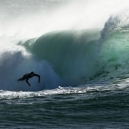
point(94, 109)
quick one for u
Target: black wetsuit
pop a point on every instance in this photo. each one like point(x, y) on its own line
point(28, 76)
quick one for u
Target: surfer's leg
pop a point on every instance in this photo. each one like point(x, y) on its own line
point(27, 82)
point(22, 78)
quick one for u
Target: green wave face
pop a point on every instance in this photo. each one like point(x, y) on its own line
point(85, 55)
point(114, 56)
point(72, 54)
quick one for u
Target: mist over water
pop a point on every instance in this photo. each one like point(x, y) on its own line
point(66, 42)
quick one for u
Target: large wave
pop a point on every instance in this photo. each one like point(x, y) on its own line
point(92, 55)
point(68, 57)
point(72, 54)
point(63, 56)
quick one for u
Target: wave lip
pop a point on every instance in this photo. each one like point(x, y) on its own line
point(68, 57)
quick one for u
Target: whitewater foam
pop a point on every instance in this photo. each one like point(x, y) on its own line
point(89, 89)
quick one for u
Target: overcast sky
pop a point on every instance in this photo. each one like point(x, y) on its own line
point(13, 8)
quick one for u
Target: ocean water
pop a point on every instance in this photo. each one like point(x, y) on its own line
point(80, 48)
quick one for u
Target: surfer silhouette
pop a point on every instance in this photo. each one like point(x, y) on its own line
point(28, 76)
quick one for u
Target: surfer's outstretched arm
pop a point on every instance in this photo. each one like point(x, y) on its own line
point(27, 82)
point(37, 76)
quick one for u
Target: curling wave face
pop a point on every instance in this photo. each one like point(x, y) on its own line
point(80, 57)
point(67, 58)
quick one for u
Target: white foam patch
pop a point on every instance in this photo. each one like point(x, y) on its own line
point(84, 89)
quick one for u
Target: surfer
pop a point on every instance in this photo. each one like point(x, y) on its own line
point(28, 76)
